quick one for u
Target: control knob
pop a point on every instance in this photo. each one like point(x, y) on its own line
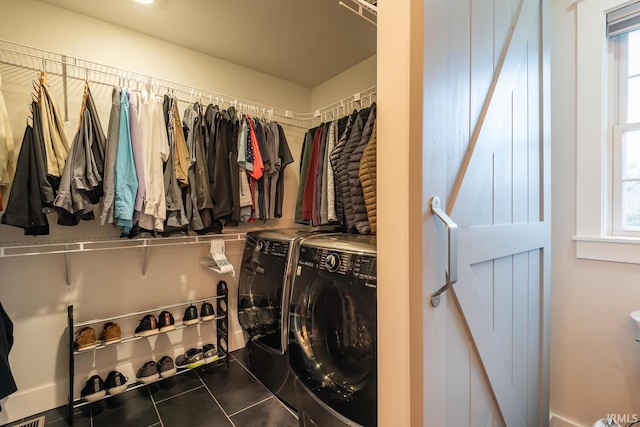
point(332, 262)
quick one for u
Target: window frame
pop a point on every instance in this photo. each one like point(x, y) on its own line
point(594, 148)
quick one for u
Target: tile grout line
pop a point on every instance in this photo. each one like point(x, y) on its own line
point(179, 394)
point(215, 400)
point(265, 387)
point(251, 406)
point(155, 407)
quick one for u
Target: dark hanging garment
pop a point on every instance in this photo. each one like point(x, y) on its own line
point(7, 383)
point(284, 154)
point(25, 208)
point(343, 166)
point(260, 136)
point(220, 174)
point(317, 202)
point(234, 170)
point(309, 196)
point(305, 157)
point(334, 158)
point(48, 184)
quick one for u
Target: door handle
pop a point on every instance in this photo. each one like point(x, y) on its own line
point(451, 275)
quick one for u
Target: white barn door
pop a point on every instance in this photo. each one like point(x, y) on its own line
point(485, 154)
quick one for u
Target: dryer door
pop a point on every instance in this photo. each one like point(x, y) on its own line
point(261, 292)
point(333, 339)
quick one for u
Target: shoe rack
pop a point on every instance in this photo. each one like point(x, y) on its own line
point(220, 301)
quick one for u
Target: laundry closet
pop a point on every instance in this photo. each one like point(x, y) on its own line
point(428, 113)
point(99, 282)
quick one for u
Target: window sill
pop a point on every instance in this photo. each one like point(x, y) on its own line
point(612, 249)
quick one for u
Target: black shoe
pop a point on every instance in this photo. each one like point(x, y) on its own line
point(166, 322)
point(190, 315)
point(148, 373)
point(166, 367)
point(206, 312)
point(115, 383)
point(194, 357)
point(148, 326)
point(93, 389)
point(210, 353)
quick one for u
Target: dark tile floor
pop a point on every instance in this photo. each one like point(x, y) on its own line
point(209, 396)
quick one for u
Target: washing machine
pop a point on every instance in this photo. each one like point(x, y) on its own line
point(332, 331)
point(264, 285)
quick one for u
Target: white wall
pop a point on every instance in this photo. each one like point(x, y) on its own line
point(358, 78)
point(33, 290)
point(595, 362)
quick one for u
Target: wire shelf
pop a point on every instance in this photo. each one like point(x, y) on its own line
point(68, 67)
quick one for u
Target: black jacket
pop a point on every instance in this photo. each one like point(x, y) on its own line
point(7, 383)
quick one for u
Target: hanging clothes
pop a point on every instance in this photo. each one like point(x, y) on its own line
point(285, 158)
point(244, 189)
point(329, 215)
point(81, 182)
point(191, 121)
point(359, 220)
point(8, 384)
point(26, 204)
point(368, 175)
point(155, 152)
point(343, 173)
point(138, 156)
point(126, 181)
point(55, 140)
point(111, 150)
point(305, 157)
point(7, 149)
point(335, 160)
point(176, 216)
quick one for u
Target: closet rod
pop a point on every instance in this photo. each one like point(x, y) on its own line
point(31, 58)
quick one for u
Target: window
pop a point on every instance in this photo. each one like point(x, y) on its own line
point(608, 130)
point(625, 122)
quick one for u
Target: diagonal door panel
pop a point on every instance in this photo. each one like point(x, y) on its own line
point(496, 103)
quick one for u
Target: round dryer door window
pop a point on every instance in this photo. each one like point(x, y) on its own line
point(334, 324)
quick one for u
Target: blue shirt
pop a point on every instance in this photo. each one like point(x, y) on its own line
point(126, 181)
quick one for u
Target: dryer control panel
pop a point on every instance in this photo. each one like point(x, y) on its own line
point(359, 266)
point(272, 247)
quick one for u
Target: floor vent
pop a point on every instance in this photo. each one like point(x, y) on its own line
point(36, 422)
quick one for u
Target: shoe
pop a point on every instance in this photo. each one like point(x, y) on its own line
point(148, 326)
point(206, 312)
point(166, 368)
point(166, 322)
point(210, 353)
point(110, 333)
point(115, 383)
point(148, 373)
point(85, 339)
point(190, 316)
point(191, 359)
point(93, 389)
point(181, 362)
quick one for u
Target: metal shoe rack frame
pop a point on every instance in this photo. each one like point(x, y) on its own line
point(222, 339)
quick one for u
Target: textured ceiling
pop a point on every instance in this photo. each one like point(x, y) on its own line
point(302, 41)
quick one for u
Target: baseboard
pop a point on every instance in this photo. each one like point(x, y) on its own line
point(557, 421)
point(22, 404)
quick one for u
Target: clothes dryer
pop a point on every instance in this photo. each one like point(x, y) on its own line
point(332, 330)
point(264, 286)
